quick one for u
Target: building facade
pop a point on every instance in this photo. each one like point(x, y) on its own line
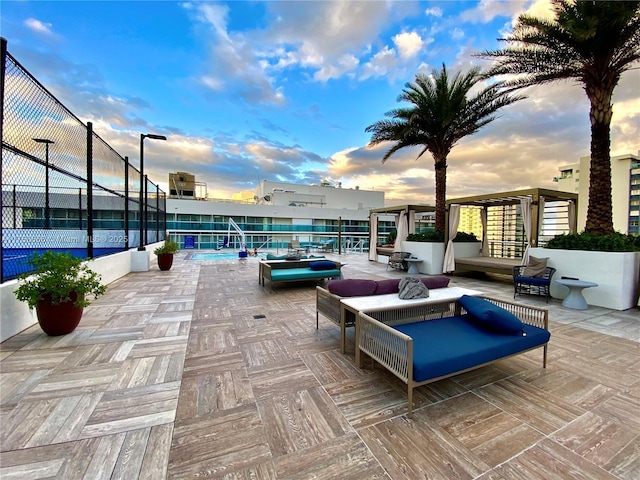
point(277, 214)
point(625, 190)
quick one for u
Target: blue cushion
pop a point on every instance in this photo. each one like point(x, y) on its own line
point(322, 265)
point(271, 256)
point(532, 280)
point(490, 316)
point(457, 343)
point(290, 274)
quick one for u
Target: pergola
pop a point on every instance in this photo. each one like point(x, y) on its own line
point(532, 201)
point(405, 223)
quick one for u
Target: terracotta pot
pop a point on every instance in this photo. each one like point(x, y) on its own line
point(165, 260)
point(58, 319)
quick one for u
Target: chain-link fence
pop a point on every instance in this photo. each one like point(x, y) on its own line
point(63, 187)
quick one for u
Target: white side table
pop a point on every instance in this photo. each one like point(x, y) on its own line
point(575, 299)
point(413, 265)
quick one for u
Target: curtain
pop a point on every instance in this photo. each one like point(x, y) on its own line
point(525, 204)
point(572, 216)
point(449, 254)
point(485, 236)
point(401, 228)
point(373, 233)
point(412, 221)
point(540, 220)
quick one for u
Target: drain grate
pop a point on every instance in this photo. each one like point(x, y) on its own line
point(259, 316)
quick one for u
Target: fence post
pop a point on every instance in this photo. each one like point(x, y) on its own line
point(157, 213)
point(3, 64)
point(145, 223)
point(90, 190)
point(80, 208)
point(126, 203)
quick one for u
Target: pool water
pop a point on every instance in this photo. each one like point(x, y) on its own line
point(218, 256)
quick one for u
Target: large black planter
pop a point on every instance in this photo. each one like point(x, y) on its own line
point(58, 319)
point(165, 261)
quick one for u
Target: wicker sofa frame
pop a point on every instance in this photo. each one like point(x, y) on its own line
point(532, 285)
point(395, 351)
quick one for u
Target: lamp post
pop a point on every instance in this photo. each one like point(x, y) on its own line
point(142, 180)
point(47, 210)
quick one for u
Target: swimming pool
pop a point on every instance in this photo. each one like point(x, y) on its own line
point(218, 256)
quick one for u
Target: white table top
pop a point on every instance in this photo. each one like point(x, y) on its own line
point(391, 301)
point(576, 283)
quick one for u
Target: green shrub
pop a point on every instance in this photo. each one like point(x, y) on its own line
point(169, 246)
point(615, 242)
point(58, 275)
point(428, 236)
point(435, 236)
point(465, 237)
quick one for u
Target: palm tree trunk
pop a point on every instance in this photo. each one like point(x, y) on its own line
point(600, 209)
point(441, 191)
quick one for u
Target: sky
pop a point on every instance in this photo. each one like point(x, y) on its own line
point(283, 91)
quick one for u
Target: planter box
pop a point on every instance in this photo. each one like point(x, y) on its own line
point(616, 274)
point(431, 254)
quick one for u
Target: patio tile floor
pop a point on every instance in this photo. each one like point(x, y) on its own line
point(200, 372)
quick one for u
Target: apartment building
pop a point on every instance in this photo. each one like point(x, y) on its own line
point(625, 190)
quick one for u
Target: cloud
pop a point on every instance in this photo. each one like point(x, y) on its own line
point(433, 12)
point(487, 10)
point(234, 67)
point(38, 26)
point(380, 64)
point(408, 44)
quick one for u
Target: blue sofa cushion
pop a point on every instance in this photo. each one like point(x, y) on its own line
point(271, 256)
point(458, 343)
point(285, 274)
point(490, 316)
point(322, 265)
point(532, 280)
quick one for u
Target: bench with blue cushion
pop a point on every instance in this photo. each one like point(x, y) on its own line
point(300, 270)
point(477, 332)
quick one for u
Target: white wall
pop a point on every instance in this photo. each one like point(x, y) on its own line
point(17, 317)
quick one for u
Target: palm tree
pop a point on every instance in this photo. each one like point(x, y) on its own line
point(440, 114)
point(592, 43)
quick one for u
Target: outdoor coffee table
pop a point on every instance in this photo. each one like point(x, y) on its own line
point(575, 299)
point(393, 308)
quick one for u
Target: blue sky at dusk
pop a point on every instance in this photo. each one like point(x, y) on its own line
point(283, 91)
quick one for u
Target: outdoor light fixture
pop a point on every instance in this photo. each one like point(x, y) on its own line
point(142, 182)
point(47, 209)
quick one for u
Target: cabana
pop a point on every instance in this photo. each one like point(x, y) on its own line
point(405, 219)
point(542, 214)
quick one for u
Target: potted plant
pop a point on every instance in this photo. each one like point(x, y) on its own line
point(58, 290)
point(165, 254)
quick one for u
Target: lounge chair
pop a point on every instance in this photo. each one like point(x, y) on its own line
point(398, 261)
point(539, 285)
point(326, 246)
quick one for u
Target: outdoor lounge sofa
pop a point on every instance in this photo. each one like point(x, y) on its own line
point(472, 332)
point(328, 300)
point(280, 271)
